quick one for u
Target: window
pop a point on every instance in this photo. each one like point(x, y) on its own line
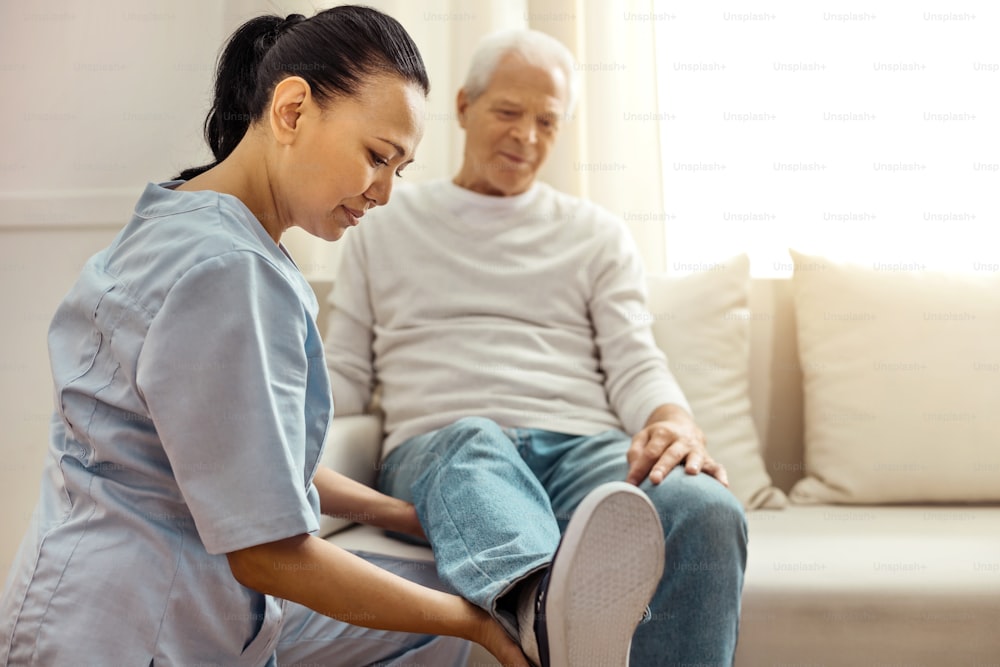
point(862, 131)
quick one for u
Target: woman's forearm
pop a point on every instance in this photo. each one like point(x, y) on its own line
point(341, 496)
point(334, 582)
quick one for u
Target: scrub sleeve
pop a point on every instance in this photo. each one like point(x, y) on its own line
point(223, 372)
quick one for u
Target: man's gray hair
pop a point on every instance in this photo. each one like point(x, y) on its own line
point(536, 47)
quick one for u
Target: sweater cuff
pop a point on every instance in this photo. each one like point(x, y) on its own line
point(652, 397)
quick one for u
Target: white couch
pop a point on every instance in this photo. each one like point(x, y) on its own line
point(826, 584)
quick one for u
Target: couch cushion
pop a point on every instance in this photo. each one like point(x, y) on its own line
point(872, 585)
point(701, 321)
point(370, 539)
point(901, 375)
point(353, 448)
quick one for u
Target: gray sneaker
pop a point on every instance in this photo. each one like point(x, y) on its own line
point(604, 573)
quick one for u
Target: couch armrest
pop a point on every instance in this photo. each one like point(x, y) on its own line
point(353, 448)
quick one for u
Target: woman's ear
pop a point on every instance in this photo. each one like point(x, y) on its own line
point(290, 97)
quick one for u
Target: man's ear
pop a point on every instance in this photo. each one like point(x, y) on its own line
point(461, 105)
point(290, 97)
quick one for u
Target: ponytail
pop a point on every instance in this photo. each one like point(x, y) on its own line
point(235, 80)
point(334, 51)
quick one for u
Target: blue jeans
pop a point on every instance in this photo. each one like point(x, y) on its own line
point(493, 502)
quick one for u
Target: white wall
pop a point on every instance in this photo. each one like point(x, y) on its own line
point(99, 98)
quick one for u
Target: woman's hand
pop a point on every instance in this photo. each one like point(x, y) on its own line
point(403, 519)
point(491, 636)
point(344, 497)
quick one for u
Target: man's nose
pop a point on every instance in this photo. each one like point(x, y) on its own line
point(525, 131)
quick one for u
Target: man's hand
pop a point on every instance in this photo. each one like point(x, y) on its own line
point(669, 438)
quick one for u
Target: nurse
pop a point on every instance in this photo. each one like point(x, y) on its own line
point(192, 400)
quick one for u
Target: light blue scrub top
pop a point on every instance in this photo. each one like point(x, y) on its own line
point(192, 401)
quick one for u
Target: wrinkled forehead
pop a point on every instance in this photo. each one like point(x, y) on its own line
point(517, 77)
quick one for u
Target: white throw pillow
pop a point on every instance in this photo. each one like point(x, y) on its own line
point(901, 376)
point(701, 321)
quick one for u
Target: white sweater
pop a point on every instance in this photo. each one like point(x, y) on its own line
point(528, 310)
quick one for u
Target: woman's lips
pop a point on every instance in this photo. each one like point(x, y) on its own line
point(354, 216)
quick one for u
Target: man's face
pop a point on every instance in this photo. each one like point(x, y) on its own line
point(510, 128)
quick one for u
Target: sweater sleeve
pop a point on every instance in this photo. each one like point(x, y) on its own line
point(637, 378)
point(349, 333)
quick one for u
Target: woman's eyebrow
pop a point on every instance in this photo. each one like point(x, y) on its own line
point(399, 149)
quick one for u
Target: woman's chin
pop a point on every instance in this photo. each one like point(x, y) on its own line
point(332, 234)
point(328, 230)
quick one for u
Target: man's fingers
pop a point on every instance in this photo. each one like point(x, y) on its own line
point(645, 450)
point(635, 449)
point(673, 455)
point(634, 457)
point(654, 452)
point(638, 469)
point(695, 463)
point(716, 470)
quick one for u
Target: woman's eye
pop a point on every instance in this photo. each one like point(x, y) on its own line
point(378, 159)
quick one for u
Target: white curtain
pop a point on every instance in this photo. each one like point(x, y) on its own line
point(610, 153)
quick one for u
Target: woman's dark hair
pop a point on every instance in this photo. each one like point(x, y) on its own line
point(334, 51)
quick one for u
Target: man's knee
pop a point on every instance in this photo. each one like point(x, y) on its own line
point(699, 501)
point(476, 436)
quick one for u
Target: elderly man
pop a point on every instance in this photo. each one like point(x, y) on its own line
point(499, 319)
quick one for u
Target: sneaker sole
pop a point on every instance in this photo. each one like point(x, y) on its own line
point(611, 565)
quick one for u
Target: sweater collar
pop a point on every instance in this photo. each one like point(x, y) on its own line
point(473, 206)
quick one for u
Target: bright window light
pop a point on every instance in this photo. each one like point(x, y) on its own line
point(868, 132)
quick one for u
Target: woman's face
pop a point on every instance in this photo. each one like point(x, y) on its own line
point(345, 155)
